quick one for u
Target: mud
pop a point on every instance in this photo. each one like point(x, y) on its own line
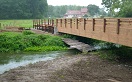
point(75, 68)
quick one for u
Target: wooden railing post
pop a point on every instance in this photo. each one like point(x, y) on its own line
point(0, 26)
point(48, 21)
point(56, 22)
point(52, 22)
point(84, 23)
point(93, 23)
point(104, 25)
point(39, 23)
point(65, 23)
point(118, 26)
point(77, 22)
point(71, 23)
point(61, 22)
point(42, 22)
point(36, 24)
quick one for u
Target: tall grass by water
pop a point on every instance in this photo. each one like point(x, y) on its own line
point(28, 41)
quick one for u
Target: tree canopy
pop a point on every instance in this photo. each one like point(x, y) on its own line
point(120, 8)
point(23, 9)
point(93, 9)
point(59, 11)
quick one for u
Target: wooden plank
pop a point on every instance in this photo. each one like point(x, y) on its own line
point(78, 45)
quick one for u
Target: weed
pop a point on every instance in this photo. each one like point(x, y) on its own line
point(27, 40)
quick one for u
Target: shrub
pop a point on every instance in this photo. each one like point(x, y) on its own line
point(27, 32)
point(54, 41)
point(21, 42)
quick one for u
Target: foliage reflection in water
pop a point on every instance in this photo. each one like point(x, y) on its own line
point(10, 61)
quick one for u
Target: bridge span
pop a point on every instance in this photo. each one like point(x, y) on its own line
point(115, 30)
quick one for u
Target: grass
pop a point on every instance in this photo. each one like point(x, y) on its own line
point(45, 48)
point(28, 41)
point(11, 34)
point(18, 23)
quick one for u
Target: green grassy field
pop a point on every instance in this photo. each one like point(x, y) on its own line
point(17, 23)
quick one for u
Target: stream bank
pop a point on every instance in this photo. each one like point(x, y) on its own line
point(71, 68)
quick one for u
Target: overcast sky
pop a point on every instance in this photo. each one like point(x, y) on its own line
point(75, 2)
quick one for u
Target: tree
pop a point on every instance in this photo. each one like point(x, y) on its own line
point(23, 9)
point(93, 9)
point(59, 11)
point(120, 8)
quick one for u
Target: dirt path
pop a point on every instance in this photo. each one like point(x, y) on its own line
point(76, 68)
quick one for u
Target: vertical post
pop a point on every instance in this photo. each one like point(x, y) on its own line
point(48, 21)
point(52, 22)
point(61, 22)
point(0, 25)
point(77, 22)
point(71, 23)
point(84, 23)
point(33, 23)
point(56, 22)
point(39, 23)
point(104, 25)
point(93, 23)
point(118, 26)
point(65, 23)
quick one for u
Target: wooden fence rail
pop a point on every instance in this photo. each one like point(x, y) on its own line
point(115, 30)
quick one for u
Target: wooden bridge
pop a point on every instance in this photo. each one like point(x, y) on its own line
point(115, 30)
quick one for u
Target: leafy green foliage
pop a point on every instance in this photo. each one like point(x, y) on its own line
point(19, 42)
point(54, 41)
point(123, 7)
point(27, 32)
point(23, 9)
point(93, 9)
point(69, 36)
point(117, 54)
point(59, 11)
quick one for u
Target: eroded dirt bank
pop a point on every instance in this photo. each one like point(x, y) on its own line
point(75, 68)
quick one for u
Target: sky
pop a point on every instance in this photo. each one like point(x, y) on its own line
point(75, 2)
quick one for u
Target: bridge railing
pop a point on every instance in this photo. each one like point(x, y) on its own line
point(115, 30)
point(45, 25)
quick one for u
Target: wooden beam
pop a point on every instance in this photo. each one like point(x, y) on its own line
point(84, 23)
point(65, 23)
point(77, 22)
point(61, 22)
point(56, 22)
point(71, 23)
point(104, 25)
point(118, 26)
point(93, 23)
point(52, 22)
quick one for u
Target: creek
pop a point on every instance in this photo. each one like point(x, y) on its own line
point(14, 60)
